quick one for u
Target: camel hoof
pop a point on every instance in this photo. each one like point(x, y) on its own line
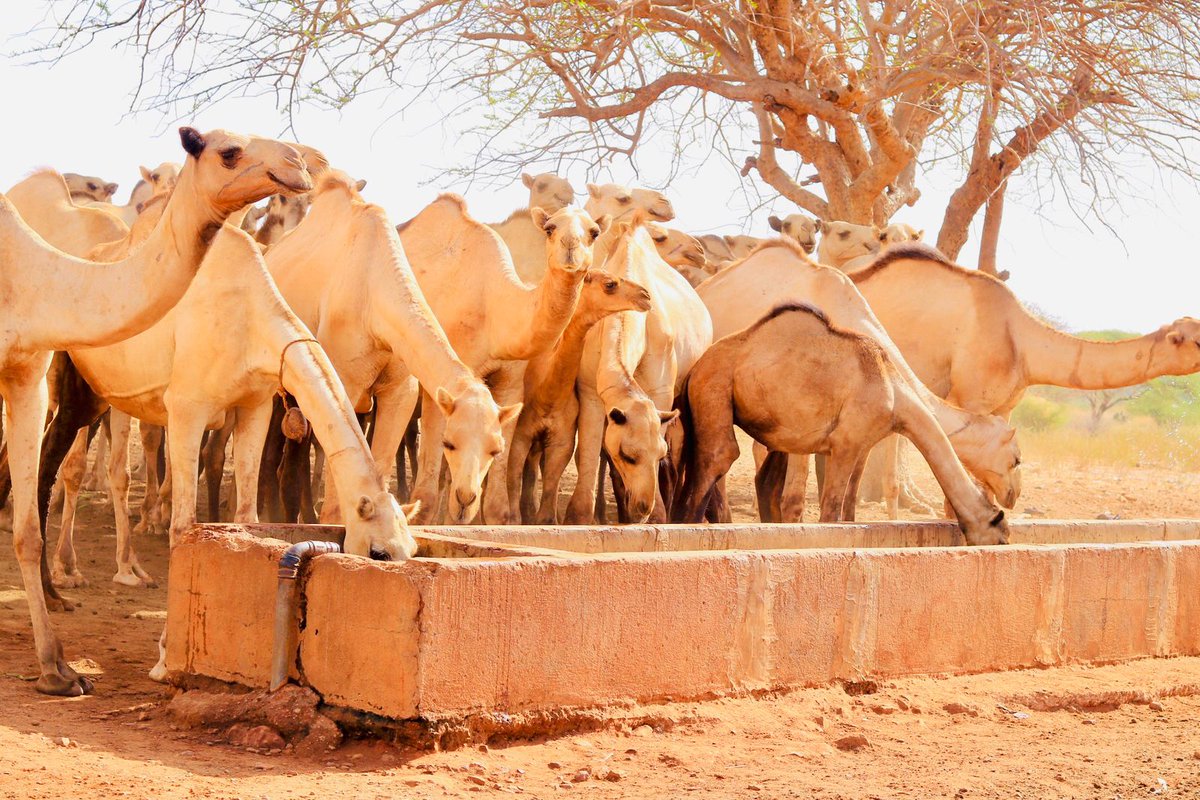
point(61, 686)
point(59, 604)
point(134, 580)
point(68, 580)
point(159, 673)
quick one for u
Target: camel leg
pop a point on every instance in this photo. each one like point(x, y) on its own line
point(795, 485)
point(96, 478)
point(407, 448)
point(556, 454)
point(718, 505)
point(293, 475)
point(318, 469)
point(850, 503)
point(25, 416)
point(129, 571)
point(393, 410)
point(308, 504)
point(601, 505)
point(530, 472)
point(495, 507)
point(427, 483)
point(249, 432)
point(214, 467)
point(152, 439)
point(890, 456)
point(582, 506)
point(519, 451)
point(766, 482)
point(65, 571)
point(839, 471)
point(270, 501)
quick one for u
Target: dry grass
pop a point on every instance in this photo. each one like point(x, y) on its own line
point(1134, 442)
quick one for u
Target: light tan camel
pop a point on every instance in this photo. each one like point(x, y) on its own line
point(345, 274)
point(629, 374)
point(88, 187)
point(681, 251)
point(158, 181)
point(847, 246)
point(798, 384)
point(44, 204)
point(968, 337)
point(780, 272)
point(58, 302)
point(721, 251)
point(619, 202)
point(525, 241)
point(494, 321)
point(899, 233)
point(546, 428)
point(801, 229)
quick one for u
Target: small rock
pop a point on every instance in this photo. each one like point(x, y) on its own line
point(476, 767)
point(959, 708)
point(1089, 721)
point(1196, 755)
point(880, 708)
point(483, 748)
point(1107, 515)
point(387, 758)
point(1156, 706)
point(855, 741)
point(412, 783)
point(262, 737)
point(754, 787)
point(478, 781)
point(65, 742)
point(554, 765)
point(1034, 512)
point(581, 776)
point(612, 776)
point(643, 730)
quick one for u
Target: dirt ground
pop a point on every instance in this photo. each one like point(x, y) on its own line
point(1120, 731)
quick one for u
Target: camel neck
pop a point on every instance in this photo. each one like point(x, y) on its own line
point(117, 300)
point(1055, 358)
point(561, 368)
point(547, 307)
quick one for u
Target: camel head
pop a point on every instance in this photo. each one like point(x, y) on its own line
point(378, 529)
point(232, 170)
point(677, 248)
point(570, 236)
point(634, 441)
point(989, 450)
point(620, 201)
point(254, 215)
point(1182, 338)
point(843, 241)
point(288, 211)
point(548, 191)
point(741, 246)
point(899, 232)
point(473, 436)
point(802, 229)
point(161, 179)
point(604, 293)
point(88, 187)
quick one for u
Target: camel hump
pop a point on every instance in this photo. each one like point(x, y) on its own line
point(904, 251)
point(787, 308)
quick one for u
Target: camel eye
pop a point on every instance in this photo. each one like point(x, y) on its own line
point(610, 286)
point(628, 459)
point(1017, 463)
point(230, 156)
point(595, 233)
point(844, 234)
point(448, 446)
point(494, 453)
point(154, 177)
point(550, 229)
point(625, 200)
point(541, 187)
point(92, 186)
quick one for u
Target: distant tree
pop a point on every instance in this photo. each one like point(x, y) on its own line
point(858, 92)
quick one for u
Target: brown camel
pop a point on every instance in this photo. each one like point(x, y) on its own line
point(551, 410)
point(797, 384)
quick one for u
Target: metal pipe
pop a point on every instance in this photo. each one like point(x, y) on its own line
point(285, 603)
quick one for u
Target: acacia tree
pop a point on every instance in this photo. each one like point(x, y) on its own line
point(831, 103)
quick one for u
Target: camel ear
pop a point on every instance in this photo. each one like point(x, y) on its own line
point(603, 221)
point(360, 185)
point(445, 400)
point(111, 188)
point(410, 510)
point(822, 225)
point(540, 218)
point(919, 234)
point(509, 413)
point(145, 174)
point(192, 140)
point(775, 222)
point(366, 508)
point(1008, 437)
point(527, 179)
point(617, 416)
point(1175, 337)
point(667, 417)
point(594, 190)
point(728, 240)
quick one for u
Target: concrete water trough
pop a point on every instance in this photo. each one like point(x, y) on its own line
point(491, 622)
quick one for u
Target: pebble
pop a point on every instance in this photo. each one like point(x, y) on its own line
point(1156, 706)
point(959, 708)
point(581, 776)
point(643, 730)
point(478, 781)
point(554, 765)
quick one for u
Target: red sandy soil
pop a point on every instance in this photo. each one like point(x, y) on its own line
point(1121, 731)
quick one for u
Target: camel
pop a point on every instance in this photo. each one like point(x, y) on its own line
point(629, 374)
point(88, 187)
point(282, 215)
point(781, 272)
point(847, 246)
point(44, 203)
point(682, 251)
point(898, 233)
point(798, 384)
point(157, 181)
point(494, 321)
point(551, 410)
point(525, 241)
point(58, 302)
point(803, 230)
point(619, 202)
point(967, 336)
point(345, 273)
point(721, 251)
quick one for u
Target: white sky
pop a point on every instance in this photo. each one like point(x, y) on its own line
point(74, 118)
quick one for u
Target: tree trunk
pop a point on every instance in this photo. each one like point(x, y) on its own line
point(991, 230)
